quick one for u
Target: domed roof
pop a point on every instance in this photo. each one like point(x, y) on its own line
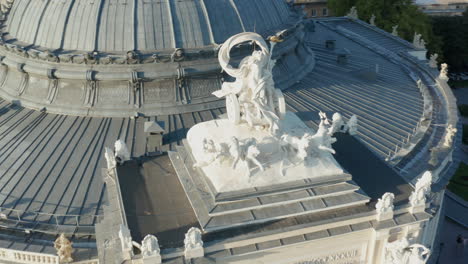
point(144, 25)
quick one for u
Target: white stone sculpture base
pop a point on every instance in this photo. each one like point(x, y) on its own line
point(152, 260)
point(192, 253)
point(225, 179)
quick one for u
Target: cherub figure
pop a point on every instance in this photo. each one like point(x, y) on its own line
point(213, 153)
point(245, 152)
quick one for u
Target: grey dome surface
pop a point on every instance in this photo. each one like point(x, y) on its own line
point(145, 25)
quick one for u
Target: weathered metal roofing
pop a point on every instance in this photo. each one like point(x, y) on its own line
point(123, 25)
point(50, 164)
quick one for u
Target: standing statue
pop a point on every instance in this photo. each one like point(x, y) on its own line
point(384, 206)
point(150, 250)
point(353, 13)
point(421, 190)
point(433, 60)
point(193, 243)
point(450, 132)
point(443, 75)
point(252, 97)
point(395, 30)
point(121, 151)
point(372, 20)
point(64, 249)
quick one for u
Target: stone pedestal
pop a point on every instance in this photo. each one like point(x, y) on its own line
point(197, 252)
point(419, 54)
point(152, 260)
point(385, 216)
point(417, 208)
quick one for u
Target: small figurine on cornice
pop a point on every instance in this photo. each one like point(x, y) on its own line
point(193, 243)
point(421, 190)
point(122, 153)
point(450, 132)
point(337, 124)
point(433, 60)
point(384, 206)
point(64, 249)
point(395, 30)
point(418, 42)
point(132, 57)
point(353, 13)
point(372, 20)
point(352, 126)
point(178, 55)
point(150, 250)
point(443, 75)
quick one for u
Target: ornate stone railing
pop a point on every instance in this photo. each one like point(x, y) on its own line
point(92, 261)
point(27, 257)
point(449, 106)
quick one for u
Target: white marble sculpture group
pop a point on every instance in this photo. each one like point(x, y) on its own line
point(252, 97)
point(150, 249)
point(258, 135)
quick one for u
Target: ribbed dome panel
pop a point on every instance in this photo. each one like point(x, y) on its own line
point(123, 25)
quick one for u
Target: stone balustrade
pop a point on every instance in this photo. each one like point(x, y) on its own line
point(27, 257)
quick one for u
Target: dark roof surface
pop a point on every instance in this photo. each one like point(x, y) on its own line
point(372, 174)
point(155, 202)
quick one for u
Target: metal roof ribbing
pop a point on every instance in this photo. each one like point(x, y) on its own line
point(123, 25)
